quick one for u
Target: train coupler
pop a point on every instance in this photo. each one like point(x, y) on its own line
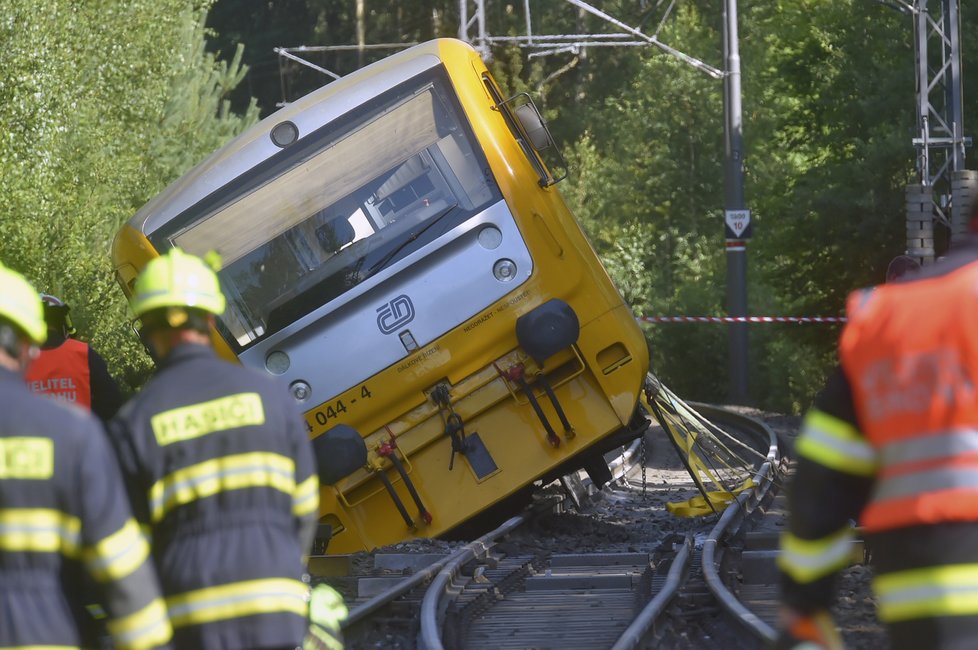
point(517, 375)
point(569, 432)
point(382, 475)
point(388, 450)
point(454, 426)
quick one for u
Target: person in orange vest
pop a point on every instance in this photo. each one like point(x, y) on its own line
point(891, 442)
point(70, 370)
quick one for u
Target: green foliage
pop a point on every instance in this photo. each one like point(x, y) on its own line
point(101, 104)
point(832, 112)
point(265, 26)
point(828, 110)
point(647, 186)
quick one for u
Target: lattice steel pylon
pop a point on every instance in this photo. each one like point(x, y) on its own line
point(944, 189)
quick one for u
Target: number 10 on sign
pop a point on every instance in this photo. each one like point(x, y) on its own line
point(737, 224)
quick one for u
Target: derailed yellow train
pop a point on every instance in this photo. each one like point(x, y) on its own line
point(395, 251)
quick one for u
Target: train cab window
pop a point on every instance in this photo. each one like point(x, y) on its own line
point(343, 205)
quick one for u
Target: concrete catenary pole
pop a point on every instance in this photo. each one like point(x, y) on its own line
point(734, 203)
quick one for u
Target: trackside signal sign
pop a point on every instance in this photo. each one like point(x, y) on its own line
point(737, 224)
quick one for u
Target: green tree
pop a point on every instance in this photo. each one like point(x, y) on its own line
point(647, 185)
point(264, 26)
point(101, 104)
point(828, 110)
point(831, 97)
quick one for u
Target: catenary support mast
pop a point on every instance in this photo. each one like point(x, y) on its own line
point(944, 189)
point(733, 200)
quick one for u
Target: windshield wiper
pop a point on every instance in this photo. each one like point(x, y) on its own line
point(386, 259)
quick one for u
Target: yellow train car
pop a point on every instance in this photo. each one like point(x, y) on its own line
point(396, 253)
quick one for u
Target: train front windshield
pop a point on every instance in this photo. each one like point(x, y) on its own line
point(350, 201)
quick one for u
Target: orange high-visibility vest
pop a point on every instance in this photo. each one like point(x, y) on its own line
point(63, 373)
point(910, 352)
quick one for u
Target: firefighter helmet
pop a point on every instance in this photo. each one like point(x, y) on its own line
point(20, 305)
point(177, 279)
point(56, 314)
point(53, 302)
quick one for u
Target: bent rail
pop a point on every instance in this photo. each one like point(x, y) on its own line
point(748, 500)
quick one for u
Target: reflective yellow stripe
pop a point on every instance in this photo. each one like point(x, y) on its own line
point(28, 458)
point(807, 560)
point(318, 638)
point(836, 444)
point(937, 479)
point(935, 591)
point(238, 599)
point(933, 446)
point(255, 469)
point(188, 422)
point(39, 530)
point(147, 628)
point(306, 497)
point(119, 554)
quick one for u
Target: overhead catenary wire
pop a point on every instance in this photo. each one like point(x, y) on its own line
point(716, 73)
point(704, 455)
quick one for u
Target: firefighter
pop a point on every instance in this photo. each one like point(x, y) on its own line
point(63, 511)
point(891, 442)
point(220, 470)
point(70, 370)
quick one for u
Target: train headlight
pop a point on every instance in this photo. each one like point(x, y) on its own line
point(277, 362)
point(284, 133)
point(490, 237)
point(300, 390)
point(504, 270)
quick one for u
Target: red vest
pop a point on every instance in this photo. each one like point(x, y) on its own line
point(910, 352)
point(63, 373)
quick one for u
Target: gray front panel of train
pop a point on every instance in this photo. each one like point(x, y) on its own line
point(428, 293)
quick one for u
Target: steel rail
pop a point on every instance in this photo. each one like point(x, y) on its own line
point(432, 608)
point(637, 631)
point(632, 637)
point(442, 573)
point(380, 600)
point(458, 557)
point(745, 503)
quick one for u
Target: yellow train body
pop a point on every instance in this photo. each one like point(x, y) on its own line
point(461, 360)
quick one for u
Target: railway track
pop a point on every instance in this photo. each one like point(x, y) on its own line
point(616, 572)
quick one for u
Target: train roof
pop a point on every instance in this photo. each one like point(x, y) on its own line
point(308, 113)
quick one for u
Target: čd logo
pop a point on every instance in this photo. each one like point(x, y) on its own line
point(398, 312)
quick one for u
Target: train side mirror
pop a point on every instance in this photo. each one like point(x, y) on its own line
point(530, 130)
point(532, 123)
point(340, 451)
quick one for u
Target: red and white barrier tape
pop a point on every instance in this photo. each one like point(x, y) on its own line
point(743, 319)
